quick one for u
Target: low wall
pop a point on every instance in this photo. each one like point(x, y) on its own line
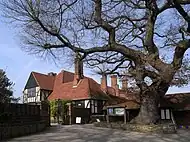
point(10, 131)
point(138, 128)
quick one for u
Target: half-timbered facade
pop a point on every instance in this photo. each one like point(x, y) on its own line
point(86, 95)
point(38, 87)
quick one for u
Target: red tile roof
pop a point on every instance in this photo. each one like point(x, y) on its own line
point(67, 76)
point(86, 88)
point(128, 104)
point(45, 82)
point(125, 99)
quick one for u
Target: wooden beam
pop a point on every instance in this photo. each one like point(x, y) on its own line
point(125, 117)
point(128, 115)
point(107, 116)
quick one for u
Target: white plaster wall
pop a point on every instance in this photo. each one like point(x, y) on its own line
point(25, 95)
point(38, 94)
point(36, 98)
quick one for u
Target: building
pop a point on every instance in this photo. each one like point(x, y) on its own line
point(174, 108)
point(38, 87)
point(88, 98)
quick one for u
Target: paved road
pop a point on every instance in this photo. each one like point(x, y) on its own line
point(89, 133)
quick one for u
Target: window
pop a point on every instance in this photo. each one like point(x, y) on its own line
point(32, 92)
point(94, 106)
point(162, 114)
point(110, 111)
point(79, 104)
point(165, 114)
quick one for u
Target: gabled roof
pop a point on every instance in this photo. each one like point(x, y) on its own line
point(45, 82)
point(87, 88)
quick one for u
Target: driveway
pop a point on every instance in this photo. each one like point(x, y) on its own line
point(89, 133)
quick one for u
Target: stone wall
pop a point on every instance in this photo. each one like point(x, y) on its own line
point(138, 128)
point(10, 131)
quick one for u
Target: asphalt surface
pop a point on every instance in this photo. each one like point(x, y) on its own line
point(89, 133)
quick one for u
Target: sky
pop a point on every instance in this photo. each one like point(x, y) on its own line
point(19, 64)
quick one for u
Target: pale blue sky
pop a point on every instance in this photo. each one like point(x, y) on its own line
point(18, 64)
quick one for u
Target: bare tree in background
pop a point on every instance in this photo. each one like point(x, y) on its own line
point(136, 30)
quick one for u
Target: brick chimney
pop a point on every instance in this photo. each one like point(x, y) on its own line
point(78, 69)
point(104, 83)
point(113, 81)
point(52, 74)
point(124, 83)
point(114, 84)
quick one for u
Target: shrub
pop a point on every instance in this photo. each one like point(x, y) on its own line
point(58, 108)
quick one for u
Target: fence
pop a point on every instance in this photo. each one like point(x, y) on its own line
point(22, 119)
point(19, 113)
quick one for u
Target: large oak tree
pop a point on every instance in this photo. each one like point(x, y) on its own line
point(132, 32)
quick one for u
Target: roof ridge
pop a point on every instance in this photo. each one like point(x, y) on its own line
point(39, 73)
point(67, 71)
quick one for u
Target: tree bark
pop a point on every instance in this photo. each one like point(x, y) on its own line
point(149, 111)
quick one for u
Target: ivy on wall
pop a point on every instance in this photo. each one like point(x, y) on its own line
point(58, 108)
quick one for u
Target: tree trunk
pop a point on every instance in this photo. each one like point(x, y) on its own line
point(149, 112)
